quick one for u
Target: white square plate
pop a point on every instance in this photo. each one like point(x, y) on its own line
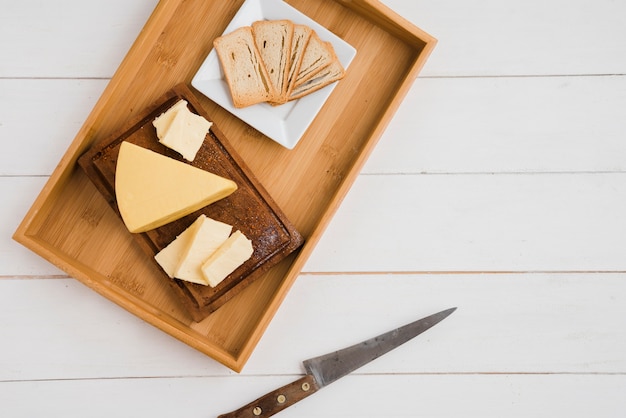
point(286, 123)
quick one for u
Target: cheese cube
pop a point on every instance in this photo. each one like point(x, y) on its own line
point(230, 255)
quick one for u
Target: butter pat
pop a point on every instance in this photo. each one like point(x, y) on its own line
point(230, 255)
point(170, 256)
point(182, 130)
point(207, 238)
point(152, 189)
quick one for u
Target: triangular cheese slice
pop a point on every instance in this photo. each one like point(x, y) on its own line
point(153, 189)
point(163, 122)
point(169, 257)
point(206, 240)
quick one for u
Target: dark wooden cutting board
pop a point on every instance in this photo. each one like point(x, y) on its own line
point(249, 209)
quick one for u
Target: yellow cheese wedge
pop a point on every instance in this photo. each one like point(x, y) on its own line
point(170, 256)
point(230, 255)
point(152, 189)
point(207, 238)
point(182, 130)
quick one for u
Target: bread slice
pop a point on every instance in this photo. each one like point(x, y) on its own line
point(276, 61)
point(301, 36)
point(273, 39)
point(316, 56)
point(245, 73)
point(326, 76)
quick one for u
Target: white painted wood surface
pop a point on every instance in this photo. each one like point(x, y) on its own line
point(499, 187)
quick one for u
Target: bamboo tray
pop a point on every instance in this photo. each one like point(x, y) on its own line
point(71, 224)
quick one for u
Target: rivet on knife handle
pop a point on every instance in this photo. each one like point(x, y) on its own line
point(276, 401)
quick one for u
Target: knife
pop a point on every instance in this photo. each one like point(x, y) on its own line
point(325, 369)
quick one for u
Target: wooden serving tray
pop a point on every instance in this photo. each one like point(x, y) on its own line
point(249, 209)
point(72, 225)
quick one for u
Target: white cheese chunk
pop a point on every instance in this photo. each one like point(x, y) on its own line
point(208, 237)
point(230, 255)
point(182, 130)
point(162, 123)
point(170, 256)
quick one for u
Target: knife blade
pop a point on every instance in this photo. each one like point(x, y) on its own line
point(323, 370)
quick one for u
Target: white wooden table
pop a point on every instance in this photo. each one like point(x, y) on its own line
point(506, 162)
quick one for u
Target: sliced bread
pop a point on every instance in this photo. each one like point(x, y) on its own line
point(273, 39)
point(301, 36)
point(327, 75)
point(315, 57)
point(276, 61)
point(245, 73)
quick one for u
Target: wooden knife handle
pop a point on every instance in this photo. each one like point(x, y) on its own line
point(276, 401)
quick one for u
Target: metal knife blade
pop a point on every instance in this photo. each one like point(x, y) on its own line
point(323, 370)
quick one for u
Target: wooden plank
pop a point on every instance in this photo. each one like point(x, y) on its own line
point(556, 124)
point(495, 38)
point(49, 334)
point(504, 125)
point(467, 46)
point(15, 260)
point(459, 395)
point(482, 222)
point(532, 222)
point(444, 396)
point(56, 110)
point(505, 323)
point(73, 40)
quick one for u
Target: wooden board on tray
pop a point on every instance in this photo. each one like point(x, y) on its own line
point(71, 224)
point(249, 209)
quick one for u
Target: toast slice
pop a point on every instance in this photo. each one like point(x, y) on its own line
point(245, 73)
point(273, 39)
point(316, 56)
point(326, 76)
point(276, 61)
point(301, 36)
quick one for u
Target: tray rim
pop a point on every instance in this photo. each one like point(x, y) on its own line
point(26, 232)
